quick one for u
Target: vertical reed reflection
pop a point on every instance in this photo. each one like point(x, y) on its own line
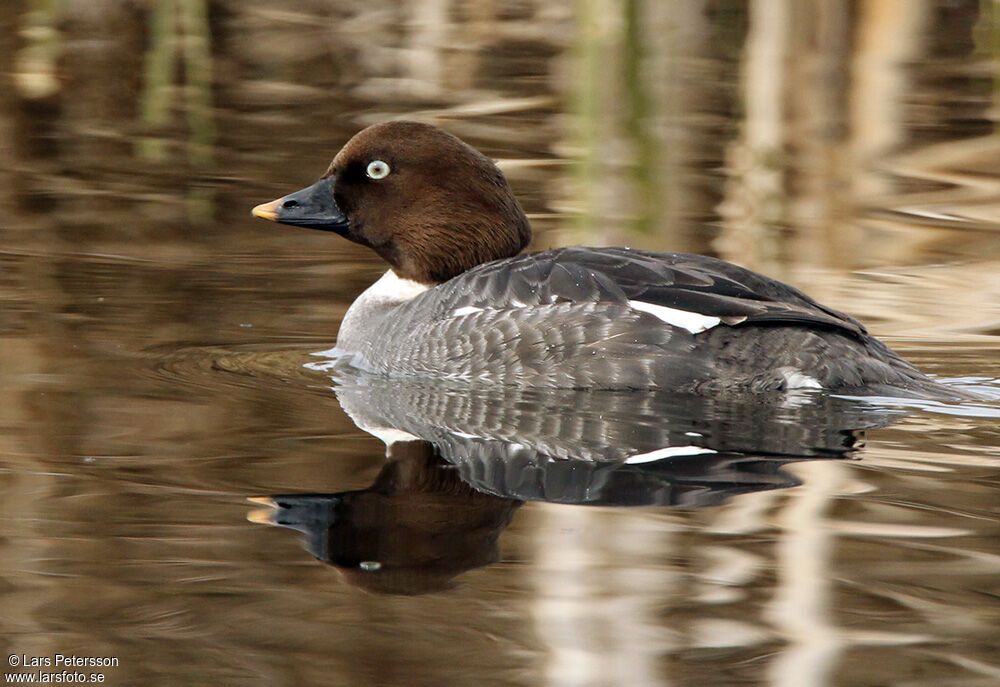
point(158, 77)
point(637, 114)
point(649, 82)
point(801, 606)
point(753, 209)
point(891, 34)
point(600, 621)
point(591, 50)
point(180, 37)
point(35, 68)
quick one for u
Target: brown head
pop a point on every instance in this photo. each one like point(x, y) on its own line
point(429, 204)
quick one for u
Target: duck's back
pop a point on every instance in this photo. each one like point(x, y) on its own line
point(615, 318)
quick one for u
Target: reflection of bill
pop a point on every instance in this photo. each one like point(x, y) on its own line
point(461, 463)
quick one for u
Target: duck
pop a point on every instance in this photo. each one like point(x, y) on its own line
point(463, 303)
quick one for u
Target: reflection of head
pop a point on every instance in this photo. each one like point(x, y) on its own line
point(411, 532)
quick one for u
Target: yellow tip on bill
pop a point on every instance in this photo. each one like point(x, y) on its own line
point(261, 516)
point(267, 210)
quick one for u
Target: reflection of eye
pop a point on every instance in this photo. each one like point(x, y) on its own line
point(377, 169)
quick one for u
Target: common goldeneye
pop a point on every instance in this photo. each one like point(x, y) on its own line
point(461, 303)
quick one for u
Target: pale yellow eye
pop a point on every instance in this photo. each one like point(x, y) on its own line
point(377, 169)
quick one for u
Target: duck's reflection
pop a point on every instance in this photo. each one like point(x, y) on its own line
point(460, 463)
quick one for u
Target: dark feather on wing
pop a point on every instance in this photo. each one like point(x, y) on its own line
point(693, 283)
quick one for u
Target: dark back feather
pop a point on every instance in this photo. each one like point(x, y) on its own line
point(692, 283)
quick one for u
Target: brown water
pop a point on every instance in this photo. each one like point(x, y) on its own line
point(154, 341)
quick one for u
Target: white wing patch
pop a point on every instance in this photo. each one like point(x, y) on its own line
point(467, 310)
point(668, 452)
point(691, 321)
